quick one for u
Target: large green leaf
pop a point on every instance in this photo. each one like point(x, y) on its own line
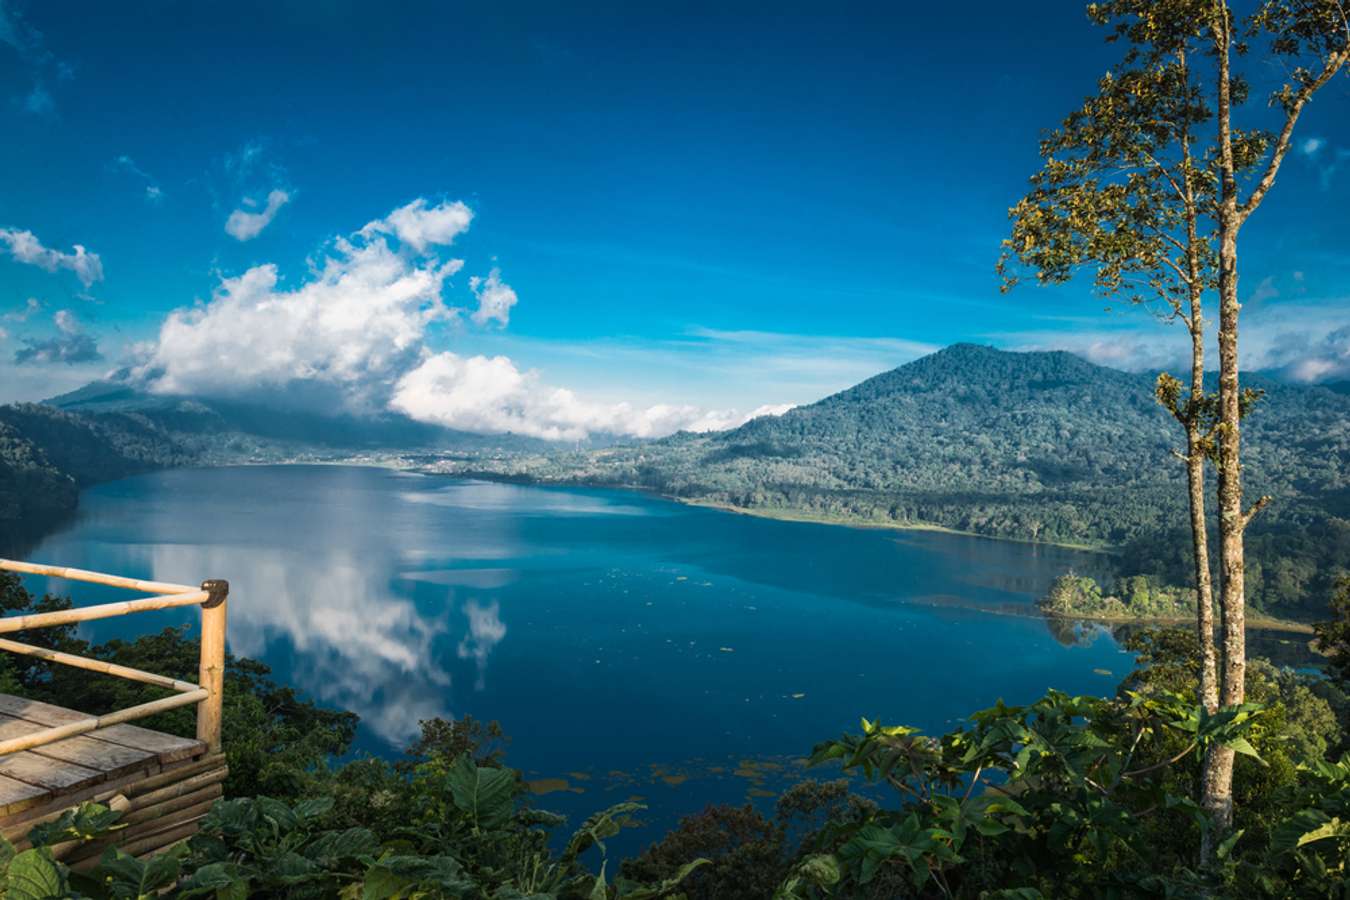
point(223, 881)
point(596, 828)
point(391, 875)
point(628, 891)
point(335, 845)
point(484, 794)
point(34, 875)
point(86, 822)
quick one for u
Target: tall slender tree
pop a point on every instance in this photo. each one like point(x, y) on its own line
point(1312, 39)
point(1122, 192)
point(1130, 187)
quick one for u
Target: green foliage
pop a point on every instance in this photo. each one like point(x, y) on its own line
point(1137, 597)
point(1333, 637)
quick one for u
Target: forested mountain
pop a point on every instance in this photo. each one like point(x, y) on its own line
point(1040, 446)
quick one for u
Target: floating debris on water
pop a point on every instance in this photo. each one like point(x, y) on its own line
point(541, 786)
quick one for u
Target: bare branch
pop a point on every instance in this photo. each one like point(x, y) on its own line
point(1256, 508)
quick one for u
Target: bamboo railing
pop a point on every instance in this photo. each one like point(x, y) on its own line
point(207, 695)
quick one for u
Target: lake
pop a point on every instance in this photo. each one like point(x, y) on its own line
point(630, 646)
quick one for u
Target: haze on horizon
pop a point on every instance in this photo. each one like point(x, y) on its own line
point(555, 223)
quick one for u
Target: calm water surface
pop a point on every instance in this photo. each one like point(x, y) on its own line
point(629, 646)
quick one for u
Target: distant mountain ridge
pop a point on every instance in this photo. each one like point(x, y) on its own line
point(1040, 446)
point(1036, 445)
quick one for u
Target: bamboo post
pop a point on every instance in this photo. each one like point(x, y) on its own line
point(212, 676)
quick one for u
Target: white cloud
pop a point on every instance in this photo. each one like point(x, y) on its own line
point(490, 395)
point(1303, 342)
point(1312, 146)
point(347, 333)
point(245, 226)
point(354, 334)
point(419, 226)
point(153, 192)
point(32, 306)
point(70, 346)
point(495, 298)
point(354, 326)
point(26, 248)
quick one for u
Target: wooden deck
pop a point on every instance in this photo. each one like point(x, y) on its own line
point(162, 784)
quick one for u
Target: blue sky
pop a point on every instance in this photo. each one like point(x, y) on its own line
point(699, 207)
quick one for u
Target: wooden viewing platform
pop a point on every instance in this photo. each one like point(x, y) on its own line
point(52, 758)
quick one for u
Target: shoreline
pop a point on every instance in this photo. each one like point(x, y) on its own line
point(1253, 623)
point(787, 515)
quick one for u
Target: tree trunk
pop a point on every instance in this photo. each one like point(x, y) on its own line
point(1217, 797)
point(1208, 693)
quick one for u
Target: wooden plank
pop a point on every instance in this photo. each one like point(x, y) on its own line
point(168, 747)
point(45, 772)
point(137, 835)
point(36, 711)
point(19, 821)
point(28, 805)
point(177, 772)
point(208, 794)
point(110, 759)
point(18, 795)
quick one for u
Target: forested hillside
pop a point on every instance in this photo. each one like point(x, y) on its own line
point(1038, 446)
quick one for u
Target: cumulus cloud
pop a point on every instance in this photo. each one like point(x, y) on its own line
point(355, 331)
point(354, 326)
point(419, 226)
point(70, 346)
point(243, 225)
point(495, 299)
point(1311, 146)
point(26, 248)
point(490, 395)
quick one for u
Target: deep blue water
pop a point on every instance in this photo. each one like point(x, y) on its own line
point(628, 645)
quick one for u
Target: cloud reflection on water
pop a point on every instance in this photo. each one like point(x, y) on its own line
point(355, 645)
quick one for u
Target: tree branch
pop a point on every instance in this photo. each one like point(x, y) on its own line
point(1256, 508)
point(1292, 112)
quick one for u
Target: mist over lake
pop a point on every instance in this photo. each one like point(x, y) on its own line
point(629, 645)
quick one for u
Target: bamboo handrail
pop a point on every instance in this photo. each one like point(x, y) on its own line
point(207, 696)
point(102, 611)
point(98, 665)
point(134, 584)
point(93, 723)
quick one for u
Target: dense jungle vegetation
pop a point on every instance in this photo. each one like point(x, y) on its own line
point(1063, 797)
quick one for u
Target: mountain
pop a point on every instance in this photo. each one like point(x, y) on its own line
point(108, 430)
point(1039, 446)
point(224, 430)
